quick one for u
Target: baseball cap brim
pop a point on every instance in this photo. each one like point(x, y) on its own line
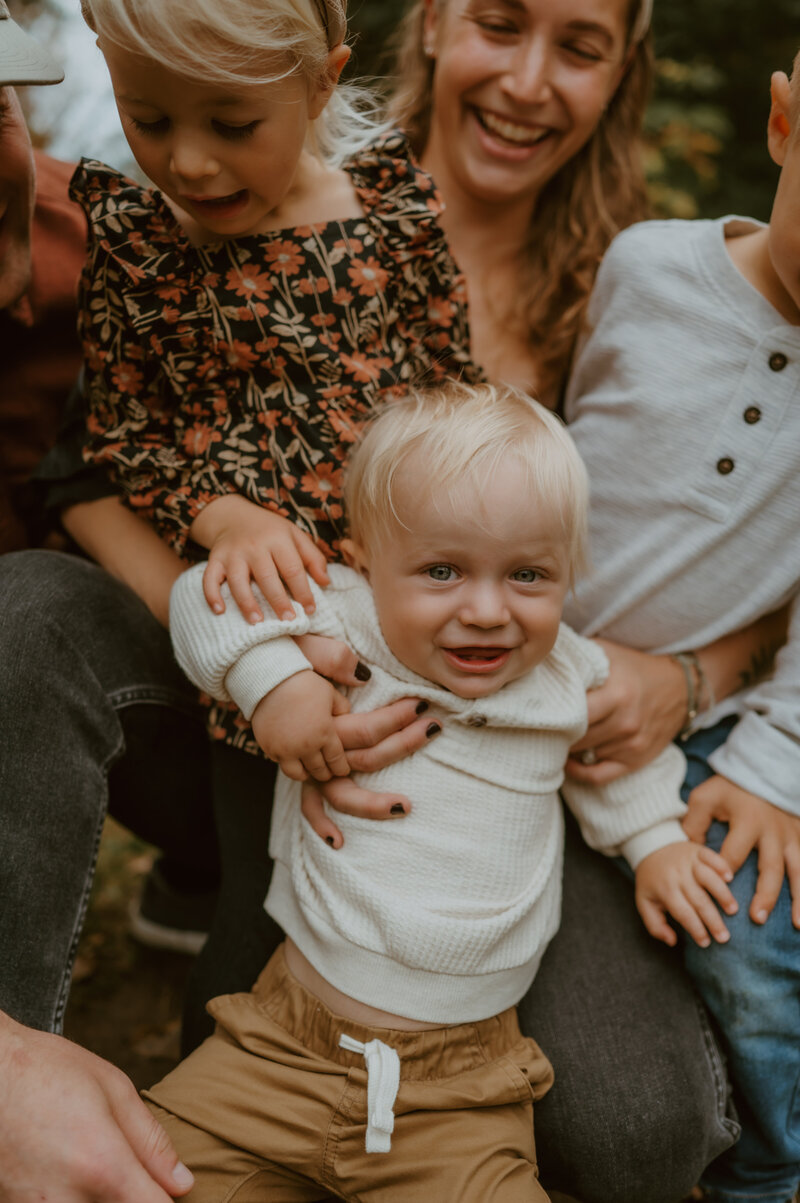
point(23, 61)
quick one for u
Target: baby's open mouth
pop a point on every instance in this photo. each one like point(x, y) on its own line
point(472, 658)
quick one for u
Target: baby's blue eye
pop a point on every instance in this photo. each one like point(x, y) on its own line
point(526, 576)
point(441, 572)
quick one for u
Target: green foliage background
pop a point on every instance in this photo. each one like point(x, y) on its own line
point(705, 134)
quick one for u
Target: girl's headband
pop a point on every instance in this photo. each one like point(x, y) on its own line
point(642, 22)
point(333, 20)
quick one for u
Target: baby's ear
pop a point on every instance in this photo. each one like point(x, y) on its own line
point(779, 129)
point(355, 556)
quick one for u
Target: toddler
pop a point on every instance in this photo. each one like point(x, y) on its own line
point(685, 403)
point(393, 996)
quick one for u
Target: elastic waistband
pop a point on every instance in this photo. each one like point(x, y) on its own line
point(431, 1053)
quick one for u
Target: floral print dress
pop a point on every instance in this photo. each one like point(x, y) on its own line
point(249, 365)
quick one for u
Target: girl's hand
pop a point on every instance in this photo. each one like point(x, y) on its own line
point(294, 726)
point(639, 710)
point(247, 543)
point(682, 880)
point(752, 823)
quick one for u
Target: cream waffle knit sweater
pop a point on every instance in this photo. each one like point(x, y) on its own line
point(444, 916)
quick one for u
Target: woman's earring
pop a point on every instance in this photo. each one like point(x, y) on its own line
point(429, 49)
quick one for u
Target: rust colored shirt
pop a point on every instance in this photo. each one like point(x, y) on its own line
point(40, 354)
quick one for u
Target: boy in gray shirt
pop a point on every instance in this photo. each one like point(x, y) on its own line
point(690, 378)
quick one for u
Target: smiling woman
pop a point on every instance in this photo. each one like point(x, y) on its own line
point(528, 114)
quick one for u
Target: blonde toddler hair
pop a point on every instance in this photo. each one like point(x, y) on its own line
point(463, 434)
point(234, 43)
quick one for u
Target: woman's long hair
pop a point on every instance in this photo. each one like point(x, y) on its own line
point(594, 196)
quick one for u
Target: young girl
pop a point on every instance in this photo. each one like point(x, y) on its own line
point(289, 273)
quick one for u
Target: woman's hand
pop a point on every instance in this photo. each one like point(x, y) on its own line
point(639, 710)
point(247, 543)
point(372, 739)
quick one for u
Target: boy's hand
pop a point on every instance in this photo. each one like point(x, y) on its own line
point(751, 822)
point(681, 880)
point(294, 725)
point(247, 543)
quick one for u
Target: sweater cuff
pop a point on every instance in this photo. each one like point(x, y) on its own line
point(639, 846)
point(261, 669)
point(761, 759)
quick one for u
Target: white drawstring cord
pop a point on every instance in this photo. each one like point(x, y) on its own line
point(383, 1082)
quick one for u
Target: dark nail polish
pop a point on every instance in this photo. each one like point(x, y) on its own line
point(422, 707)
point(433, 729)
point(362, 673)
point(398, 809)
point(329, 840)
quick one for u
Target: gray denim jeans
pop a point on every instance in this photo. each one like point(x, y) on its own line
point(92, 708)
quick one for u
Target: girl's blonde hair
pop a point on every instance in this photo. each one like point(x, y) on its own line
point(464, 435)
point(594, 196)
point(795, 102)
point(235, 43)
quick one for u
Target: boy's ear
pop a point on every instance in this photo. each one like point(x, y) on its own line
point(779, 129)
point(355, 556)
point(334, 66)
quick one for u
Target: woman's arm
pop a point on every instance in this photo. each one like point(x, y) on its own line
point(128, 548)
point(643, 704)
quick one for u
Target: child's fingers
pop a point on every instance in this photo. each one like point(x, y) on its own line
point(713, 884)
point(293, 574)
point(268, 579)
point(213, 576)
point(740, 841)
point(793, 874)
point(350, 799)
point(313, 809)
point(699, 916)
point(683, 911)
point(313, 559)
point(697, 819)
point(335, 758)
point(316, 766)
point(241, 589)
point(655, 921)
point(294, 768)
point(770, 877)
point(717, 862)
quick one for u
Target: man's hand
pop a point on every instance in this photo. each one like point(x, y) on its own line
point(752, 823)
point(294, 725)
point(74, 1130)
point(684, 880)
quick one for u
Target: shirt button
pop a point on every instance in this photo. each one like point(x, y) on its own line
point(752, 415)
point(778, 361)
point(725, 465)
point(476, 720)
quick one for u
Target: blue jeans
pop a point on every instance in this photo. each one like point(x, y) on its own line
point(93, 711)
point(751, 986)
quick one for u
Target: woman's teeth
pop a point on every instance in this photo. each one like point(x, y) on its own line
point(510, 131)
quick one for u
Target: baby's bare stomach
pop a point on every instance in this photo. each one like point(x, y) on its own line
point(342, 1004)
